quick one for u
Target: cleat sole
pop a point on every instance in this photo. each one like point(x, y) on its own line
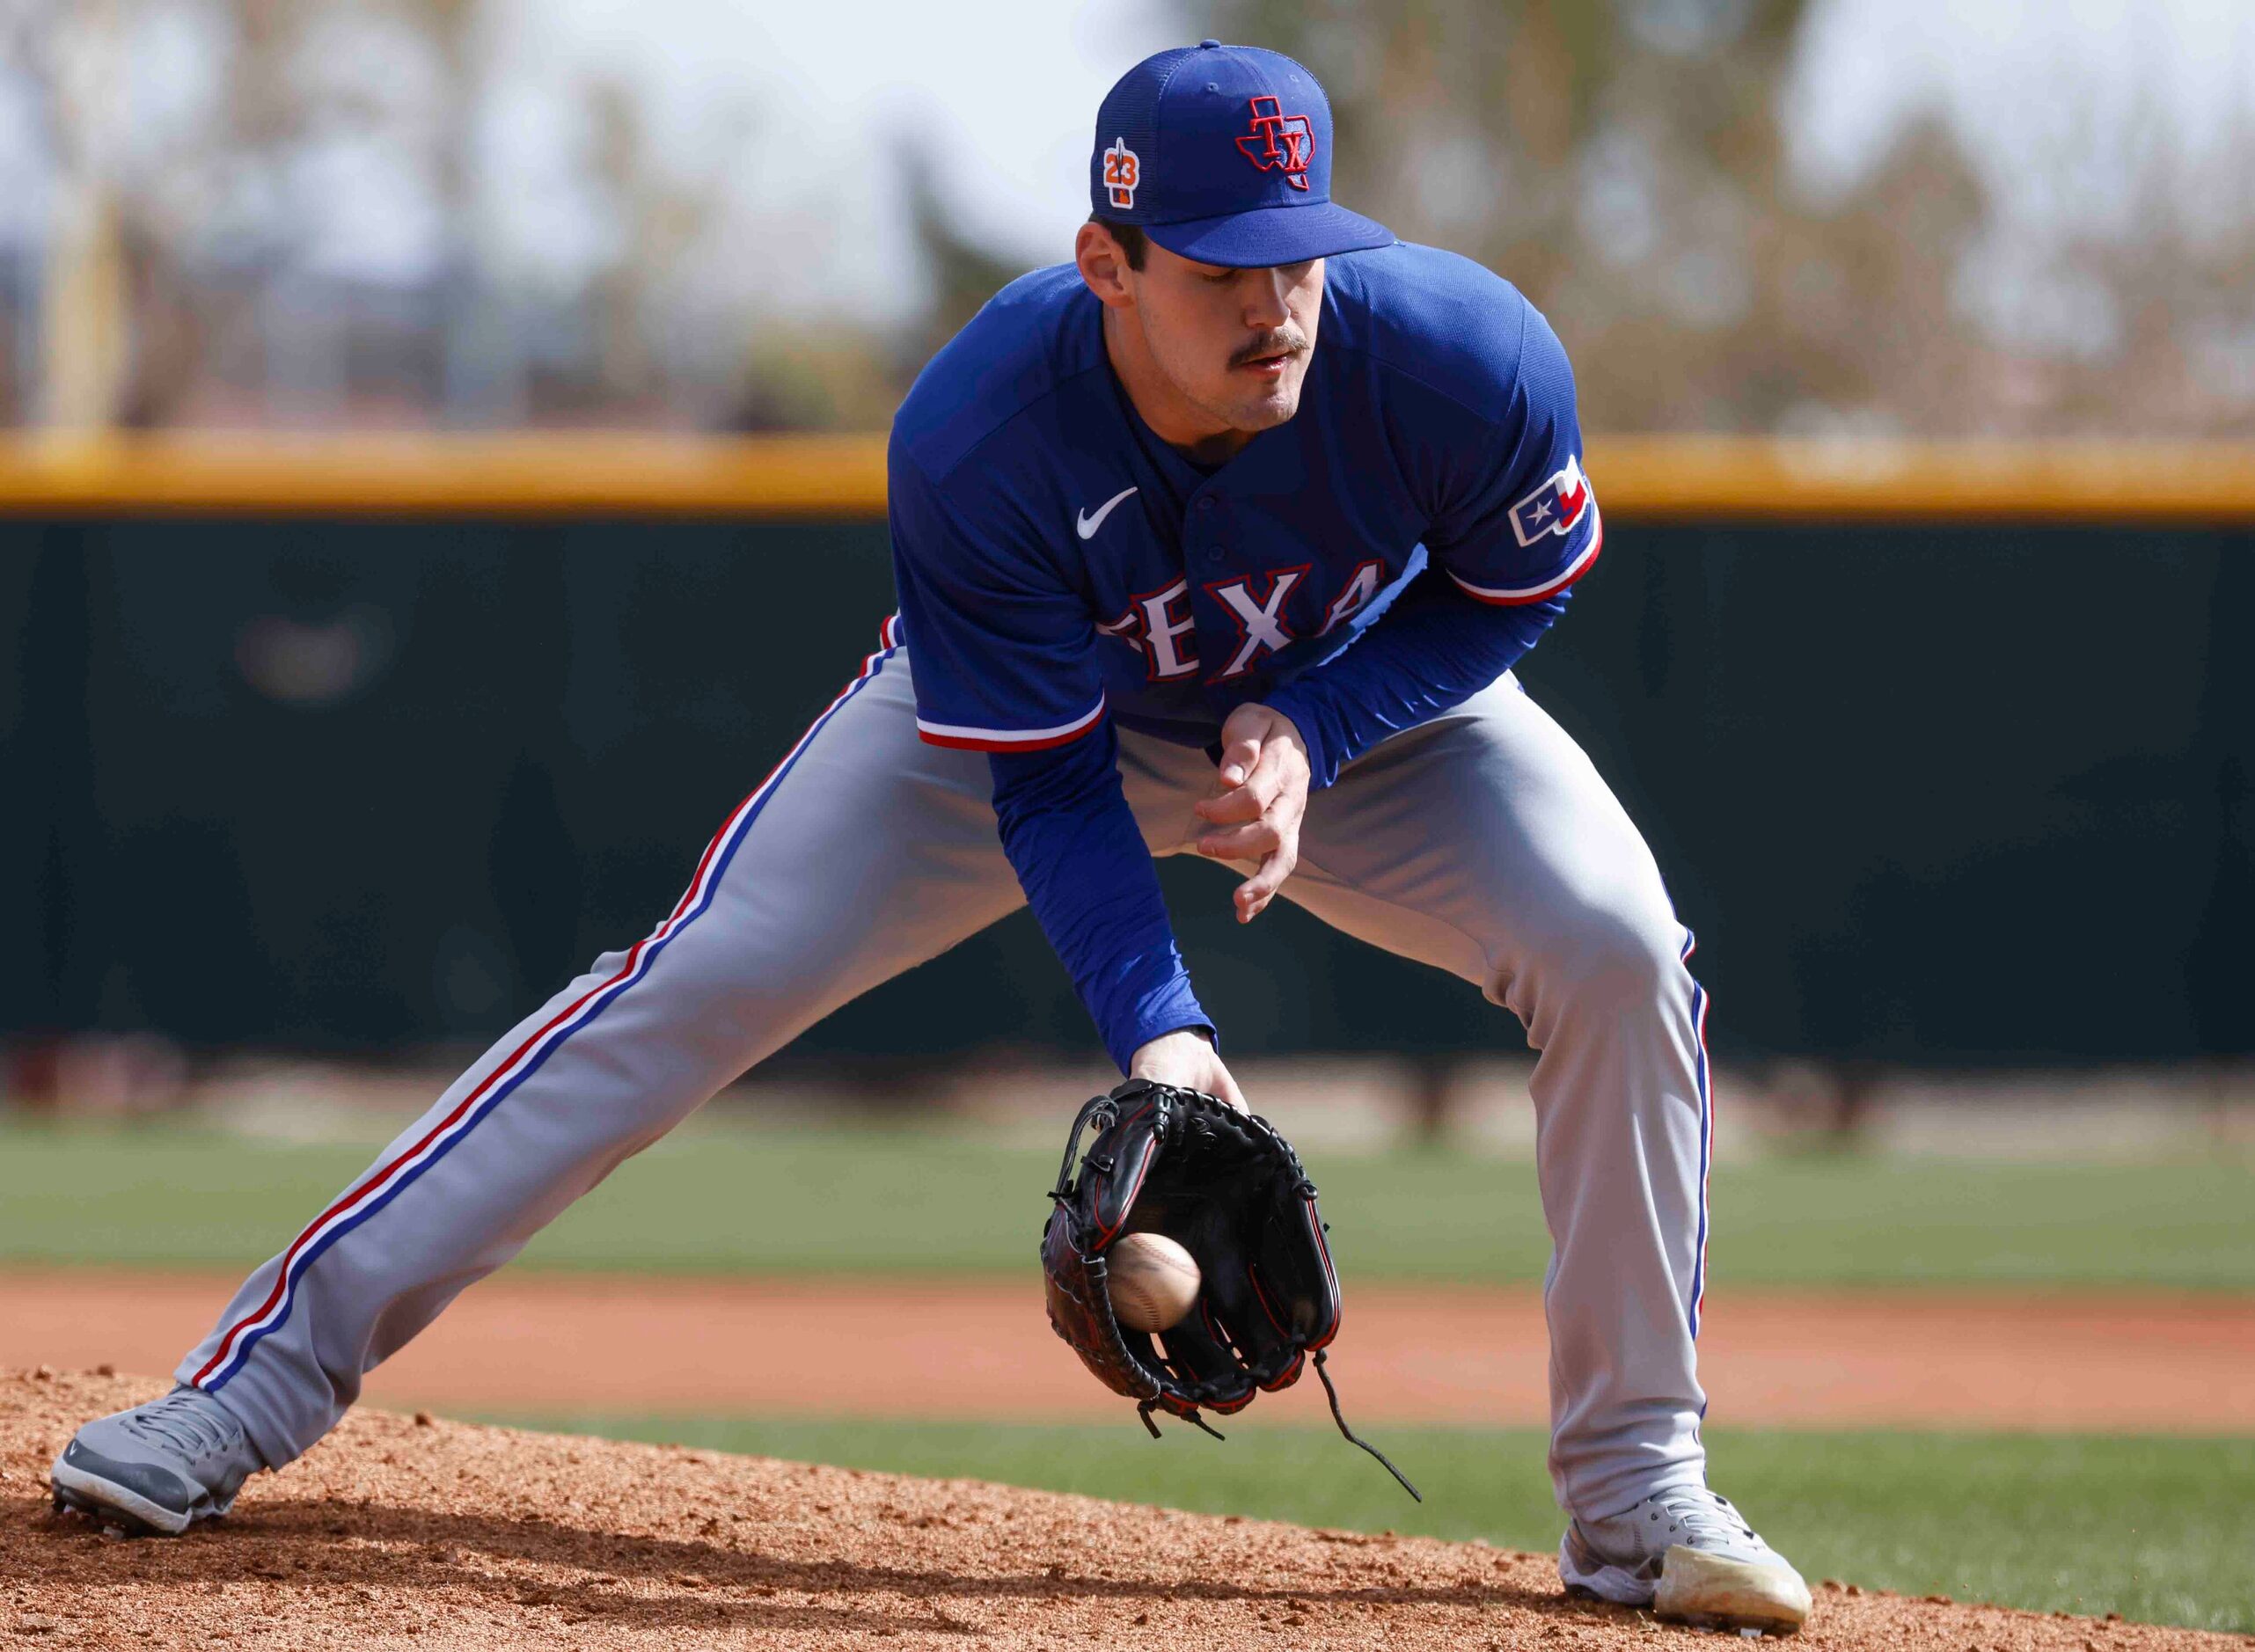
point(102, 1501)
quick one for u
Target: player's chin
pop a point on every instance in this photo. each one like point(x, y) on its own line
point(1262, 404)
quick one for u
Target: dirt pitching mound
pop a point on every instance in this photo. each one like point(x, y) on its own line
point(399, 1532)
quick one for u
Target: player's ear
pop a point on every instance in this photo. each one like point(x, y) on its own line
point(1102, 265)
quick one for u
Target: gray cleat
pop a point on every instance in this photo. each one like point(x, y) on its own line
point(1691, 1557)
point(160, 1468)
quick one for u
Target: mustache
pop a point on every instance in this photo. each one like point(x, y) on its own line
point(1289, 340)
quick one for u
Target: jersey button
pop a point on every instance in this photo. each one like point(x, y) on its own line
point(1205, 504)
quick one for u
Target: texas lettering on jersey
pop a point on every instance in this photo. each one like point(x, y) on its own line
point(1159, 626)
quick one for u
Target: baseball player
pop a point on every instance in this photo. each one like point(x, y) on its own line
point(1221, 539)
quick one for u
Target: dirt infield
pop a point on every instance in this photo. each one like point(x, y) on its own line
point(397, 1533)
point(532, 1343)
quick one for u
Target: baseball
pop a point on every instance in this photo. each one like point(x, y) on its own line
point(1153, 1280)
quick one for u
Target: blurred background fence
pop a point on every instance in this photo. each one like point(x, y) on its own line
point(1946, 754)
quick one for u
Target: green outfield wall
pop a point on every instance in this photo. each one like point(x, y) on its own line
point(1930, 791)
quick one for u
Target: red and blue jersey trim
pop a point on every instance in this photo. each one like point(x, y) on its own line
point(963, 738)
point(1516, 596)
point(395, 1176)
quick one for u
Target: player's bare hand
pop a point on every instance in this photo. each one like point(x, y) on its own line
point(1260, 794)
point(1187, 1059)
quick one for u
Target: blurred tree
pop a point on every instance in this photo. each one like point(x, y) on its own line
point(1625, 165)
point(962, 273)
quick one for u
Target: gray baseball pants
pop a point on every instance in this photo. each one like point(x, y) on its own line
point(1482, 842)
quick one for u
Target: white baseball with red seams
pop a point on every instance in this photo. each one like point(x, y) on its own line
point(1153, 1281)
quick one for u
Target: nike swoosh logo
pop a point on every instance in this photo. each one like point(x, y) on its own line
point(1089, 524)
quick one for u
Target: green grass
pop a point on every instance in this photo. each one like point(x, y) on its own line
point(722, 1197)
point(2158, 1529)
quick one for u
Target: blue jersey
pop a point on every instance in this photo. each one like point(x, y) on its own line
point(1385, 554)
point(1056, 561)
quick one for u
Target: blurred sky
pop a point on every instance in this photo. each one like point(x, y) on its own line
point(2075, 114)
point(2068, 108)
point(2060, 102)
point(805, 110)
point(812, 108)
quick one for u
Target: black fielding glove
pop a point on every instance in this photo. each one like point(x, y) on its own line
point(1227, 1187)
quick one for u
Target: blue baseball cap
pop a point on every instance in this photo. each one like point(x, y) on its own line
point(1223, 154)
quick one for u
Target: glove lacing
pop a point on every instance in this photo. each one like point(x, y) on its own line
point(1384, 1461)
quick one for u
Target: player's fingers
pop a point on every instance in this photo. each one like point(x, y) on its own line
point(1252, 902)
point(1252, 899)
point(1255, 894)
point(1266, 781)
point(1251, 842)
point(1238, 758)
point(1242, 804)
point(1261, 774)
point(1276, 774)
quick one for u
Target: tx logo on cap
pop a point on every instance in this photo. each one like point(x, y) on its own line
point(1122, 173)
point(1284, 141)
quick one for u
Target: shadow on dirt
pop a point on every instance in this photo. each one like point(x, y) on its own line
point(368, 1550)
